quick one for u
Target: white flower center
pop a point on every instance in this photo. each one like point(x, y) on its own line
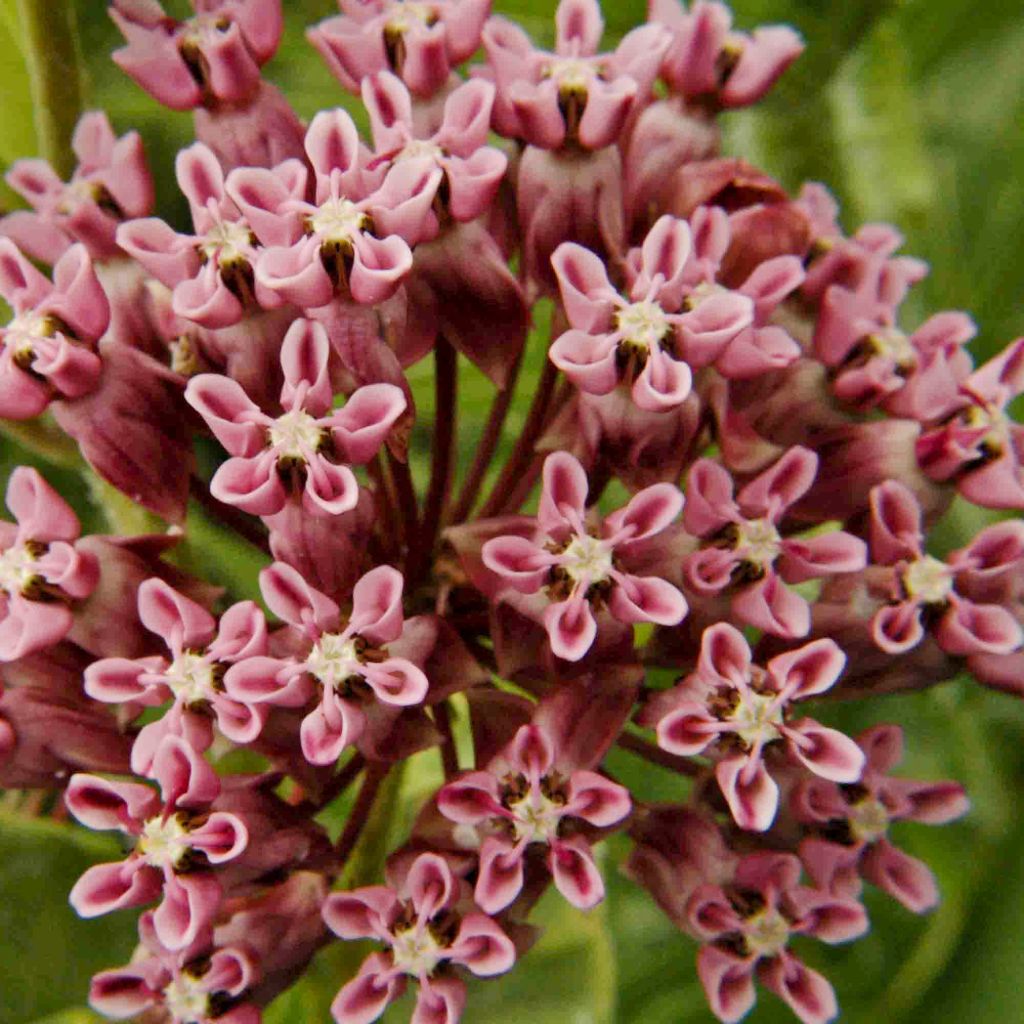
point(416, 951)
point(758, 541)
point(333, 659)
point(995, 420)
point(338, 220)
point(403, 15)
point(190, 677)
point(25, 332)
point(893, 344)
point(295, 435)
point(587, 557)
point(227, 242)
point(570, 74)
point(767, 933)
point(163, 843)
point(419, 148)
point(186, 1001)
point(869, 820)
point(17, 569)
point(536, 817)
point(643, 323)
point(929, 580)
point(757, 717)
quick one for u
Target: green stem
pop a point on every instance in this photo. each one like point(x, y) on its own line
point(53, 58)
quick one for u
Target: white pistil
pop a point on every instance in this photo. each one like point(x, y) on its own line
point(893, 344)
point(17, 569)
point(185, 1000)
point(405, 13)
point(869, 820)
point(756, 717)
point(928, 580)
point(163, 843)
point(536, 817)
point(190, 677)
point(338, 220)
point(766, 932)
point(295, 434)
point(644, 324)
point(227, 242)
point(570, 74)
point(333, 660)
point(416, 951)
point(587, 558)
point(758, 541)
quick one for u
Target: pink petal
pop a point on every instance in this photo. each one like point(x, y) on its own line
point(710, 570)
point(377, 605)
point(304, 359)
point(895, 524)
point(969, 628)
point(825, 752)
point(647, 513)
point(780, 486)
point(430, 885)
point(710, 914)
point(330, 489)
point(564, 493)
point(482, 947)
point(728, 983)
point(903, 877)
point(662, 384)
point(518, 561)
point(366, 420)
point(389, 106)
point(647, 599)
point(898, 628)
point(261, 680)
point(361, 914)
point(764, 57)
point(31, 626)
point(252, 485)
point(172, 616)
point(687, 730)
point(328, 729)
point(42, 514)
point(934, 803)
point(171, 258)
point(532, 752)
point(439, 1001)
point(578, 27)
point(116, 680)
point(473, 799)
point(291, 598)
point(106, 887)
point(809, 670)
point(500, 877)
point(184, 777)
point(882, 746)
point(367, 995)
point(829, 918)
point(588, 360)
point(222, 837)
point(296, 274)
point(724, 656)
point(709, 499)
point(587, 294)
point(571, 628)
point(233, 417)
point(770, 605)
point(596, 799)
point(332, 143)
point(188, 906)
point(397, 681)
point(665, 251)
point(607, 108)
point(467, 118)
point(757, 351)
point(262, 195)
point(806, 992)
point(104, 804)
point(125, 991)
point(575, 873)
point(751, 793)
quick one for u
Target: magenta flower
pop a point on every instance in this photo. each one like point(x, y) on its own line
point(179, 842)
point(729, 704)
point(471, 171)
point(574, 94)
point(200, 984)
point(744, 551)
point(212, 58)
point(573, 563)
point(419, 918)
point(42, 568)
point(849, 825)
point(352, 238)
point(526, 799)
point(748, 924)
point(419, 41)
point(211, 272)
point(110, 183)
point(979, 448)
point(192, 678)
point(345, 663)
point(928, 594)
point(302, 449)
point(49, 349)
point(708, 63)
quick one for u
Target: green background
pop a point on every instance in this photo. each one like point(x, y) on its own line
point(911, 112)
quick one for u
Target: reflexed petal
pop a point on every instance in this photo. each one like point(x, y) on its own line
point(688, 730)
point(291, 598)
point(807, 993)
point(172, 616)
point(728, 983)
point(780, 486)
point(597, 800)
point(809, 670)
point(430, 885)
point(895, 524)
point(377, 605)
point(826, 752)
point(482, 947)
point(571, 628)
point(575, 873)
point(751, 793)
point(500, 879)
point(471, 800)
point(366, 996)
point(564, 493)
point(366, 420)
point(772, 606)
point(903, 877)
point(647, 599)
point(898, 628)
point(439, 1001)
point(361, 914)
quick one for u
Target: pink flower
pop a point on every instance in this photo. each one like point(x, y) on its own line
point(419, 919)
point(729, 703)
point(979, 448)
point(200, 984)
point(211, 272)
point(346, 663)
point(201, 650)
point(471, 170)
point(745, 552)
point(525, 798)
point(575, 94)
point(748, 924)
point(849, 825)
point(573, 562)
point(352, 238)
point(926, 593)
point(301, 450)
point(179, 842)
point(110, 183)
point(42, 569)
point(708, 63)
point(420, 42)
point(49, 349)
point(212, 58)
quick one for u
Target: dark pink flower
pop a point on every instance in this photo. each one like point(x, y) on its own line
point(980, 448)
point(179, 842)
point(345, 663)
point(527, 798)
point(849, 825)
point(111, 182)
point(192, 678)
point(302, 449)
point(212, 58)
point(571, 562)
point(745, 552)
point(748, 924)
point(42, 569)
point(49, 349)
point(211, 272)
point(729, 704)
point(709, 63)
point(419, 920)
point(575, 94)
point(927, 594)
point(420, 41)
point(203, 983)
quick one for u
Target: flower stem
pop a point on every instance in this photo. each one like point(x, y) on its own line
point(54, 61)
point(242, 524)
point(649, 752)
point(408, 511)
point(357, 820)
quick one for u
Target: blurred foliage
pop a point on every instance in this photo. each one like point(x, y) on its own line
point(911, 111)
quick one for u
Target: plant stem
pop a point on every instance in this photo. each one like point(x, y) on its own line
point(408, 511)
point(649, 752)
point(386, 505)
point(375, 775)
point(242, 524)
point(445, 397)
point(487, 446)
point(54, 61)
point(449, 756)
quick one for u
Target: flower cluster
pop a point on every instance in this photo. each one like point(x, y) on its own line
point(721, 354)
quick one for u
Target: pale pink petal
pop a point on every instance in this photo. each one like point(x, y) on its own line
point(903, 877)
point(474, 798)
point(588, 360)
point(366, 419)
point(770, 605)
point(724, 656)
point(777, 488)
point(482, 947)
point(106, 887)
point(42, 514)
point(185, 778)
point(575, 873)
point(378, 267)
point(261, 680)
point(329, 728)
point(578, 27)
point(571, 628)
point(222, 837)
point(104, 804)
point(709, 499)
point(361, 914)
point(647, 513)
point(647, 599)
point(389, 107)
point(252, 485)
point(296, 274)
point(826, 752)
point(291, 598)
point(500, 877)
point(751, 793)
point(809, 670)
point(188, 906)
point(234, 418)
point(439, 1000)
point(728, 983)
point(895, 524)
point(587, 294)
point(330, 489)
point(304, 358)
point(597, 800)
point(116, 680)
point(807, 558)
point(687, 730)
point(710, 570)
point(366, 996)
point(430, 885)
point(969, 628)
point(806, 992)
point(898, 628)
point(178, 620)
point(564, 493)
point(396, 681)
point(377, 605)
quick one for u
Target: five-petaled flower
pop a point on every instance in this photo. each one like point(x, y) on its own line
point(306, 448)
point(734, 710)
point(420, 918)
